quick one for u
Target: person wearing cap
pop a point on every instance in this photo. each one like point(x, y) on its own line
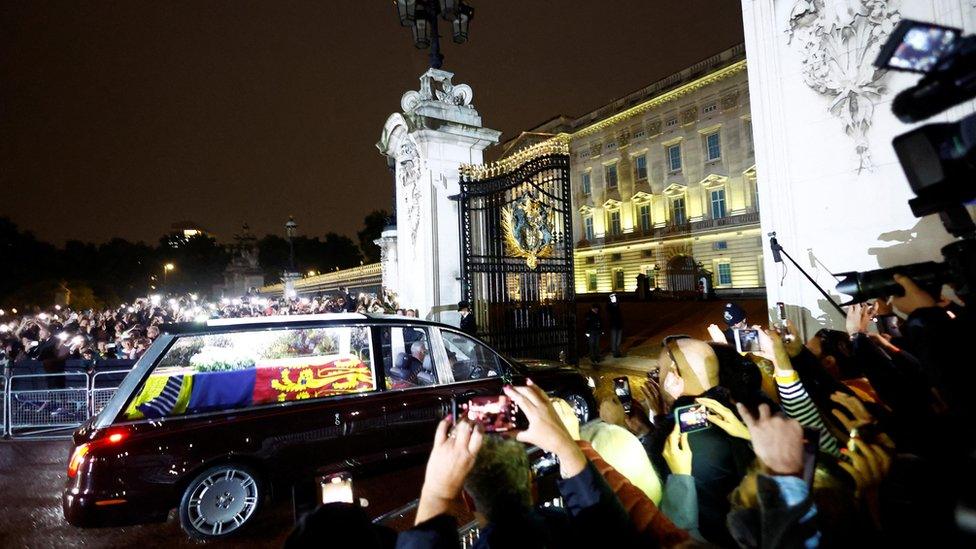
point(735, 318)
point(468, 324)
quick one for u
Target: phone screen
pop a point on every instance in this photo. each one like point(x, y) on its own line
point(917, 47)
point(497, 414)
point(691, 418)
point(335, 488)
point(747, 340)
point(781, 310)
point(621, 387)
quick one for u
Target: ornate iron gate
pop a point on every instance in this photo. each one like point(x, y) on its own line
point(517, 251)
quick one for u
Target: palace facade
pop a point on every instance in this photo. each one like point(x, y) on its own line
point(664, 183)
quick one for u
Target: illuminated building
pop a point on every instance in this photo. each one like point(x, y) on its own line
point(664, 183)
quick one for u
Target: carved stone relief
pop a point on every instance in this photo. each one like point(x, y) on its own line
point(436, 85)
point(654, 128)
point(408, 177)
point(838, 41)
point(689, 115)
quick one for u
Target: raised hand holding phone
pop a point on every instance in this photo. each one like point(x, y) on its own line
point(545, 428)
point(723, 418)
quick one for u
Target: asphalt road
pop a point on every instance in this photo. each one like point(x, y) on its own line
point(32, 475)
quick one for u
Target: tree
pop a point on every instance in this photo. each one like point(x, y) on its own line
point(373, 226)
point(341, 251)
point(199, 261)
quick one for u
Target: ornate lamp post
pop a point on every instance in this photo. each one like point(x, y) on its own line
point(422, 16)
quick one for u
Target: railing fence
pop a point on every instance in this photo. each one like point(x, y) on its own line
point(39, 403)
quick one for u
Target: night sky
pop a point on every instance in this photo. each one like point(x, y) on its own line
point(121, 118)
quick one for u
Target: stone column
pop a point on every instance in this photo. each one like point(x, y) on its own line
point(288, 279)
point(387, 243)
point(437, 131)
point(829, 182)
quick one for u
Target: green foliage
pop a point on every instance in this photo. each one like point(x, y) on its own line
point(373, 226)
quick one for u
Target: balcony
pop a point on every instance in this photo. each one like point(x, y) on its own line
point(748, 218)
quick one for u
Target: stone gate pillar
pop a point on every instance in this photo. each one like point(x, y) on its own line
point(830, 184)
point(437, 131)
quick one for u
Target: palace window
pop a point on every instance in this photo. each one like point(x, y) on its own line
point(588, 227)
point(720, 245)
point(585, 179)
point(674, 157)
point(618, 280)
point(644, 217)
point(724, 273)
point(713, 147)
point(610, 175)
point(616, 257)
point(718, 203)
point(591, 281)
point(640, 167)
point(589, 260)
point(614, 222)
point(678, 216)
point(710, 108)
point(671, 122)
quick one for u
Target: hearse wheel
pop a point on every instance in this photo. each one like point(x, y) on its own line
point(581, 407)
point(220, 501)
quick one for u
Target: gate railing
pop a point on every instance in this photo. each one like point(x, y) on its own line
point(40, 404)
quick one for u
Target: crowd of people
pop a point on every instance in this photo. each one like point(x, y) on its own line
point(849, 439)
point(125, 332)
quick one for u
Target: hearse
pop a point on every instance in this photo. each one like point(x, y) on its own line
point(219, 416)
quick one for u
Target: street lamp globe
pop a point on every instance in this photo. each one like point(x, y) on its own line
point(407, 10)
point(291, 226)
point(169, 266)
point(421, 29)
point(448, 9)
point(461, 22)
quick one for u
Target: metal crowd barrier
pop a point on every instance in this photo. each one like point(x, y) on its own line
point(39, 404)
point(44, 405)
point(3, 406)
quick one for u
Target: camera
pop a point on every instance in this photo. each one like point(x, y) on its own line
point(939, 160)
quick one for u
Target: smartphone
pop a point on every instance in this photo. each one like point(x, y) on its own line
point(747, 340)
point(497, 414)
point(781, 310)
point(335, 488)
point(621, 387)
point(888, 324)
point(691, 418)
point(916, 47)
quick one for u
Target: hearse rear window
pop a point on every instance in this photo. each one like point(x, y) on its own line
point(207, 373)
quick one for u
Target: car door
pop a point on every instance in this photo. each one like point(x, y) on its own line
point(419, 395)
point(474, 368)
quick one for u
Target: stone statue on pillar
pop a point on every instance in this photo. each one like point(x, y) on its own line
point(437, 130)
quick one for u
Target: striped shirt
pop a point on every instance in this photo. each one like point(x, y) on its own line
point(797, 404)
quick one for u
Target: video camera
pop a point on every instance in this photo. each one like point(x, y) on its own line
point(939, 160)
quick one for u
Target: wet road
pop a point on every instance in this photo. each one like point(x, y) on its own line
point(32, 474)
